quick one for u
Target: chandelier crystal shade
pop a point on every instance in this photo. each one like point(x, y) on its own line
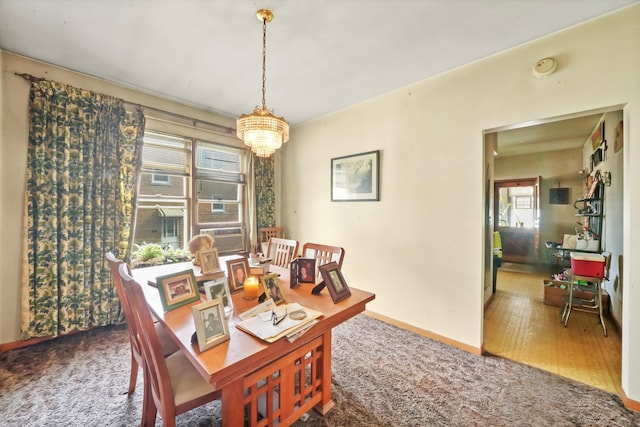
point(261, 130)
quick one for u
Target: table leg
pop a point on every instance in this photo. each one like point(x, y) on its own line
point(327, 403)
point(232, 409)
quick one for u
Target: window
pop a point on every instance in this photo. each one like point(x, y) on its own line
point(157, 179)
point(190, 187)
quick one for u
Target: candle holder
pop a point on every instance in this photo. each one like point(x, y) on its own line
point(251, 287)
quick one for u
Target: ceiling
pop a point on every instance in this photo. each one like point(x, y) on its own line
point(322, 56)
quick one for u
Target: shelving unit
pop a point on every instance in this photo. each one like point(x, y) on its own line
point(591, 209)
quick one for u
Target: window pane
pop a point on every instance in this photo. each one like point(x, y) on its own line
point(207, 214)
point(160, 223)
point(165, 153)
point(173, 186)
point(213, 191)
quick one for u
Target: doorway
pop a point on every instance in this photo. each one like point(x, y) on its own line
point(517, 218)
point(558, 168)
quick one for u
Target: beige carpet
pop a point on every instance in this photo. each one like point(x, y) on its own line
point(383, 376)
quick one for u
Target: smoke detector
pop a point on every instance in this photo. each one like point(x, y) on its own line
point(544, 67)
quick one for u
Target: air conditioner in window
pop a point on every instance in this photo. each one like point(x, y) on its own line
point(227, 240)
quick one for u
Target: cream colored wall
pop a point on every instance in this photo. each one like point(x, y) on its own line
point(420, 248)
point(14, 98)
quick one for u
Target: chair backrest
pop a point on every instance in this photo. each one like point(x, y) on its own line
point(114, 266)
point(265, 234)
point(282, 251)
point(323, 254)
point(154, 361)
point(607, 264)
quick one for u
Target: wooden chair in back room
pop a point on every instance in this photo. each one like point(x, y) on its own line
point(323, 254)
point(167, 344)
point(266, 233)
point(282, 251)
point(172, 385)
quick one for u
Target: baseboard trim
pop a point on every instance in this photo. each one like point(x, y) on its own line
point(425, 333)
point(630, 404)
point(14, 345)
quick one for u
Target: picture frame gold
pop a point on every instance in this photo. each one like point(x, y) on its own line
point(211, 324)
point(209, 261)
point(334, 281)
point(272, 288)
point(177, 289)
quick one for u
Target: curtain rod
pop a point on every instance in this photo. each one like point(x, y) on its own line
point(194, 122)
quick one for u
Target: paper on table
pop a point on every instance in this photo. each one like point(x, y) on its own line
point(262, 326)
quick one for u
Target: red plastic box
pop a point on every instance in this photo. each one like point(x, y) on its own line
point(585, 264)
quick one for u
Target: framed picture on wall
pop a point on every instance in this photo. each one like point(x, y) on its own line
point(559, 196)
point(356, 177)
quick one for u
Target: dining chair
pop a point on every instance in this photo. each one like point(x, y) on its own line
point(266, 233)
point(172, 384)
point(167, 344)
point(323, 254)
point(282, 251)
point(594, 286)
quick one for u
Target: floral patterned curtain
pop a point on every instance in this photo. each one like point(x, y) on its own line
point(265, 183)
point(84, 152)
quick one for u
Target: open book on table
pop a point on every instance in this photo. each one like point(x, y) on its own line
point(262, 326)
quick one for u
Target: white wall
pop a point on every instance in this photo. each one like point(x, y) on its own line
point(420, 248)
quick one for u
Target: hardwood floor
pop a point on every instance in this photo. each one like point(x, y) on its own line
point(520, 327)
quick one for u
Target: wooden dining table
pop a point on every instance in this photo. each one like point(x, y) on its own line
point(262, 383)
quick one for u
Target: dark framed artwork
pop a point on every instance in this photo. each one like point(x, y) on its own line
point(559, 196)
point(238, 271)
point(334, 281)
point(178, 289)
point(356, 177)
point(303, 270)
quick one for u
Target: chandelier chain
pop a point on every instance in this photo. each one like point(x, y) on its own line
point(264, 61)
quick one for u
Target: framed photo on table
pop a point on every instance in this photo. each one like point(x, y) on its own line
point(177, 289)
point(238, 271)
point(272, 289)
point(211, 324)
point(356, 177)
point(209, 261)
point(337, 286)
point(219, 288)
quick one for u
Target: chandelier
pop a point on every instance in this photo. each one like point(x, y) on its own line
point(261, 130)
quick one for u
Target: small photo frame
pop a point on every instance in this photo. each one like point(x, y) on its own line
point(209, 261)
point(337, 286)
point(177, 289)
point(306, 270)
point(356, 177)
point(238, 271)
point(293, 274)
point(219, 288)
point(272, 289)
point(211, 324)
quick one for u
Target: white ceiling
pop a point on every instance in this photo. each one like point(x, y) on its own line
point(322, 56)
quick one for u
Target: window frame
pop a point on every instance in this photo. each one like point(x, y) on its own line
point(192, 172)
